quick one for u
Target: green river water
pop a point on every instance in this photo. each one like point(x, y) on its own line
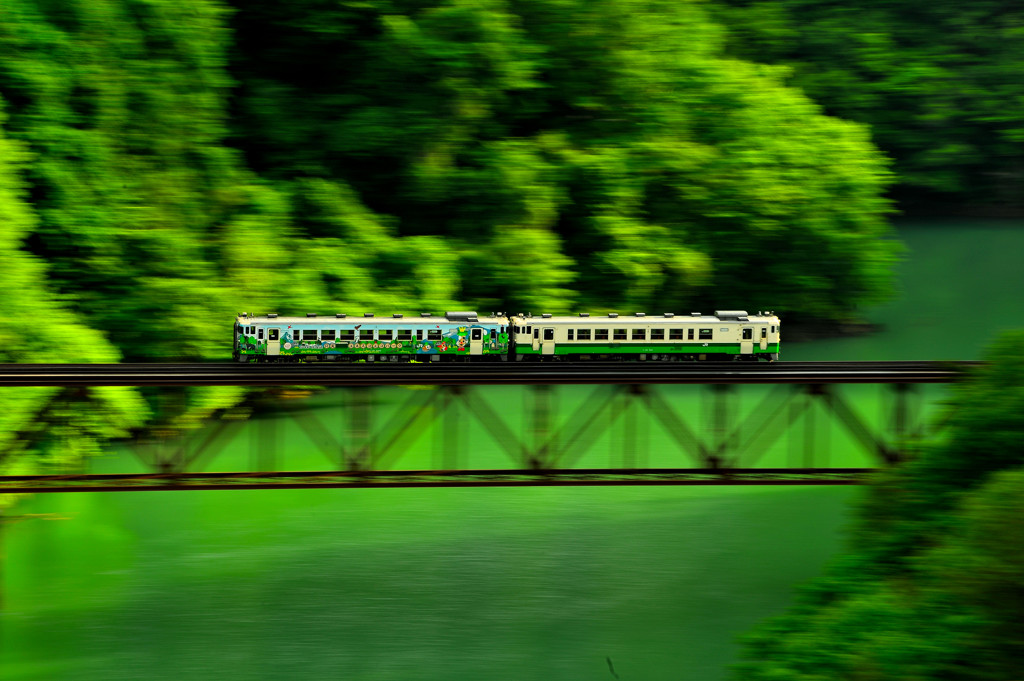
point(535, 584)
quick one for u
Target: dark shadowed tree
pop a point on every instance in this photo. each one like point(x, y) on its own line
point(607, 146)
point(932, 586)
point(938, 82)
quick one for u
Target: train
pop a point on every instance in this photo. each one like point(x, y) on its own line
point(467, 336)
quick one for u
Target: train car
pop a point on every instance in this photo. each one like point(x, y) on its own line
point(456, 335)
point(726, 335)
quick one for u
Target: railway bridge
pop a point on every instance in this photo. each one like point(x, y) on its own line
point(511, 424)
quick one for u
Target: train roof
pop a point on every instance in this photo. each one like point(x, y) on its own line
point(367, 318)
point(643, 318)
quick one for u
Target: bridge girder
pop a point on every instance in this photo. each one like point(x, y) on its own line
point(364, 445)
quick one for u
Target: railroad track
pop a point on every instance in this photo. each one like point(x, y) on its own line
point(503, 373)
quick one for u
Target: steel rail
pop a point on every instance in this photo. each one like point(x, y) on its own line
point(586, 477)
point(503, 373)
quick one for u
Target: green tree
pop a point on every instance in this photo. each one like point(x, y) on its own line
point(937, 81)
point(152, 229)
point(615, 133)
point(39, 431)
point(120, 103)
point(932, 586)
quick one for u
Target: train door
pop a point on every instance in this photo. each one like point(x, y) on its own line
point(548, 342)
point(273, 342)
point(764, 337)
point(536, 339)
point(747, 341)
point(476, 341)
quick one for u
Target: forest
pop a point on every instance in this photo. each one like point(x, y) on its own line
point(165, 165)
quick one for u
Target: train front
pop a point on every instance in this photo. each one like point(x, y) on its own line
point(774, 339)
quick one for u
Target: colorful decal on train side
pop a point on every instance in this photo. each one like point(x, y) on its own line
point(453, 340)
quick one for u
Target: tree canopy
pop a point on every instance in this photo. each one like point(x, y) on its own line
point(631, 161)
point(938, 82)
point(41, 426)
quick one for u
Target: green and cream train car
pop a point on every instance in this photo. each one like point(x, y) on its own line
point(726, 335)
point(272, 338)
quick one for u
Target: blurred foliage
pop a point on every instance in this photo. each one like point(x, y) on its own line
point(39, 428)
point(938, 82)
point(169, 164)
point(934, 585)
point(610, 140)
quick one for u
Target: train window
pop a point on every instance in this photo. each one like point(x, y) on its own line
point(601, 334)
point(259, 334)
point(347, 335)
point(419, 334)
point(536, 333)
point(385, 334)
point(764, 332)
point(583, 334)
point(272, 335)
point(549, 334)
point(476, 334)
point(639, 334)
point(529, 329)
point(309, 335)
point(689, 334)
point(405, 334)
point(773, 329)
point(706, 334)
point(748, 334)
point(327, 334)
point(619, 334)
point(659, 334)
point(677, 334)
point(570, 334)
point(433, 334)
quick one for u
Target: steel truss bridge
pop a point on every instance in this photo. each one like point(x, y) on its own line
point(548, 433)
